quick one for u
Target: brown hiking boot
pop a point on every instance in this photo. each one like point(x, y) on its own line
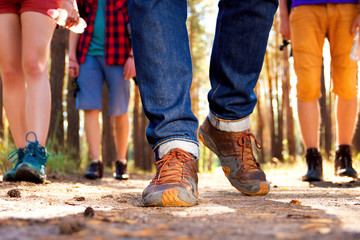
point(175, 182)
point(237, 159)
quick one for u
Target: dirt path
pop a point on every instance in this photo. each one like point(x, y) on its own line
point(327, 210)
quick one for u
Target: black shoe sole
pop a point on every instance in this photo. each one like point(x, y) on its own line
point(122, 177)
point(91, 176)
point(347, 174)
point(24, 173)
point(311, 179)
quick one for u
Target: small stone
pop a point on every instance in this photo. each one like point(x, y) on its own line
point(71, 225)
point(14, 193)
point(108, 196)
point(79, 199)
point(89, 212)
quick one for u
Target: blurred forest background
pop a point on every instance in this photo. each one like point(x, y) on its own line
point(274, 121)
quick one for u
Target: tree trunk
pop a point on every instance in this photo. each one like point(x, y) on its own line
point(290, 134)
point(260, 124)
point(108, 149)
point(136, 130)
point(57, 73)
point(280, 111)
point(356, 139)
point(147, 158)
point(272, 118)
point(72, 133)
point(325, 126)
point(1, 110)
point(143, 155)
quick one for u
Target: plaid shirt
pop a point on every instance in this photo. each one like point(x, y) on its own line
point(117, 43)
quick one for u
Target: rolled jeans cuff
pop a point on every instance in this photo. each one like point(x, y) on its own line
point(230, 125)
point(189, 147)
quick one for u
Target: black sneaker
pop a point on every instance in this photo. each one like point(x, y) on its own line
point(314, 164)
point(343, 162)
point(121, 170)
point(96, 170)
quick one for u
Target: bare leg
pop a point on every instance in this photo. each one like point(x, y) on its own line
point(122, 127)
point(12, 76)
point(92, 131)
point(308, 113)
point(346, 114)
point(37, 31)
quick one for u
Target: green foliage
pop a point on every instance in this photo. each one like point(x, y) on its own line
point(5, 149)
point(60, 162)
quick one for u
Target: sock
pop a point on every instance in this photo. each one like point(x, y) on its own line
point(123, 161)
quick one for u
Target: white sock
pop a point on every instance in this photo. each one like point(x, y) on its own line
point(123, 161)
point(230, 126)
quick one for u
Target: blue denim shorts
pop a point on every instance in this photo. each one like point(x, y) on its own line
point(93, 73)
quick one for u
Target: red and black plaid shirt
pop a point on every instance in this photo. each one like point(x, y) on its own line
point(117, 44)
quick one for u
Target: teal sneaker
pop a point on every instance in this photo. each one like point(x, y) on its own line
point(33, 168)
point(18, 156)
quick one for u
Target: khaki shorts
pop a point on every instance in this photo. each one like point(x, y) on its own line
point(310, 25)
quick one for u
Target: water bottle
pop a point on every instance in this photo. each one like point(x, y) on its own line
point(355, 50)
point(60, 16)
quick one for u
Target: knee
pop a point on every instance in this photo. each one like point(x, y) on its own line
point(122, 119)
point(33, 67)
point(91, 114)
point(12, 75)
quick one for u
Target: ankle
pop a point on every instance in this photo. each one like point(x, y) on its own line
point(121, 160)
point(96, 161)
point(310, 151)
point(343, 147)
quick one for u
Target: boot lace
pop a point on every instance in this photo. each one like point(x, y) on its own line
point(16, 159)
point(36, 150)
point(246, 157)
point(170, 168)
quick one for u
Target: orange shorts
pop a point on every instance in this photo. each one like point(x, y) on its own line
point(20, 6)
point(310, 25)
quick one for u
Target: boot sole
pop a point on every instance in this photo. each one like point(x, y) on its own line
point(92, 176)
point(347, 174)
point(169, 198)
point(263, 187)
point(9, 177)
point(122, 177)
point(25, 173)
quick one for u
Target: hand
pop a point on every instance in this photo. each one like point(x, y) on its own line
point(73, 14)
point(285, 28)
point(355, 25)
point(129, 68)
point(73, 68)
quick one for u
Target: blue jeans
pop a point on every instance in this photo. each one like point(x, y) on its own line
point(164, 68)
